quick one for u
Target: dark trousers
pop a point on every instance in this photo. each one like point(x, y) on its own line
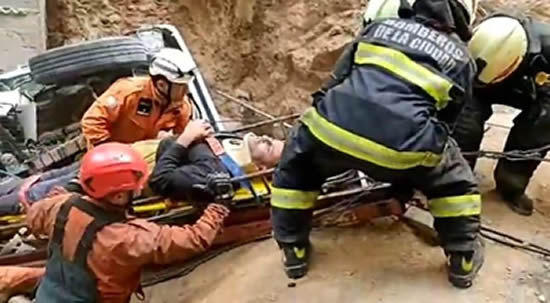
point(531, 130)
point(306, 163)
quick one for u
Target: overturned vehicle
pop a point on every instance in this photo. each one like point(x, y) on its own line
point(41, 103)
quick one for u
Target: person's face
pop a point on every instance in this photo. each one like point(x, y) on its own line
point(175, 91)
point(266, 151)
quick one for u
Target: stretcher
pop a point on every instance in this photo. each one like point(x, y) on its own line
point(345, 200)
point(156, 205)
point(250, 207)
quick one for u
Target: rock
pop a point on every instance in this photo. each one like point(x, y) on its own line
point(350, 273)
point(291, 284)
point(546, 265)
point(242, 94)
point(508, 268)
point(541, 298)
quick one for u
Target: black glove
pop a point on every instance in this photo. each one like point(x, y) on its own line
point(218, 188)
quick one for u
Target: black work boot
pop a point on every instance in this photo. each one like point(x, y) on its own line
point(463, 266)
point(295, 259)
point(521, 204)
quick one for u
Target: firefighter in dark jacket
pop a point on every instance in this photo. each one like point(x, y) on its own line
point(380, 116)
point(513, 59)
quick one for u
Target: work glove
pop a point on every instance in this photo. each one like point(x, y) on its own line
point(218, 189)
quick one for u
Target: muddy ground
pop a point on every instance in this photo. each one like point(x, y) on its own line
point(384, 261)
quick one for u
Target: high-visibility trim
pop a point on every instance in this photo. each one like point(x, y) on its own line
point(399, 64)
point(363, 148)
point(293, 199)
point(456, 206)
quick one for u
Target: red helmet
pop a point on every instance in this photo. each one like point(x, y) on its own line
point(110, 168)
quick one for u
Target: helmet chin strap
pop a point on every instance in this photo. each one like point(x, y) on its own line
point(166, 95)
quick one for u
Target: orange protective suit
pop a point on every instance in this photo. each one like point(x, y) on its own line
point(131, 110)
point(17, 280)
point(121, 250)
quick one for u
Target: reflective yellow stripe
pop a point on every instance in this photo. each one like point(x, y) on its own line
point(293, 199)
point(399, 64)
point(363, 148)
point(149, 207)
point(456, 206)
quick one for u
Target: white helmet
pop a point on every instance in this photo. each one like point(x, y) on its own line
point(378, 9)
point(173, 64)
point(499, 45)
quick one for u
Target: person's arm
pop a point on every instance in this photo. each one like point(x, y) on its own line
point(173, 175)
point(96, 122)
point(151, 243)
point(176, 117)
point(185, 113)
point(41, 215)
point(454, 107)
point(168, 179)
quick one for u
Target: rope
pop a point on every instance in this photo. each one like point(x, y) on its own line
point(535, 154)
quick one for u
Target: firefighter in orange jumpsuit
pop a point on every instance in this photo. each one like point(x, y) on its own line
point(138, 108)
point(96, 252)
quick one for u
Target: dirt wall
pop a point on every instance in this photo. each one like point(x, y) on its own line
point(278, 52)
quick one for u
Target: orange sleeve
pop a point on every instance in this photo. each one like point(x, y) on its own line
point(96, 122)
point(151, 243)
point(19, 279)
point(184, 117)
point(41, 215)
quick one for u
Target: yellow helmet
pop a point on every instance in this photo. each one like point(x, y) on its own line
point(498, 45)
point(378, 9)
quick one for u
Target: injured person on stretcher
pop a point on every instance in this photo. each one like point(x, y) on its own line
point(174, 169)
point(174, 166)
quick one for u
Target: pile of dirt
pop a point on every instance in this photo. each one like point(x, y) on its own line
point(276, 51)
point(535, 8)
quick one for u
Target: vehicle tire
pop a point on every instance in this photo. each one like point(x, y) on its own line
point(68, 63)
